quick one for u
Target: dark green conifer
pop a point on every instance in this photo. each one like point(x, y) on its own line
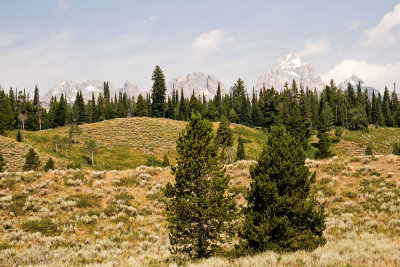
point(49, 165)
point(224, 132)
point(141, 107)
point(158, 93)
point(32, 161)
point(199, 213)
point(19, 136)
point(240, 154)
point(324, 145)
point(165, 162)
point(281, 216)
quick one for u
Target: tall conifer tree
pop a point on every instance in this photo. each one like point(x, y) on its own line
point(199, 213)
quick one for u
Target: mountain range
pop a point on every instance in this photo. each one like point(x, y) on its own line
point(285, 70)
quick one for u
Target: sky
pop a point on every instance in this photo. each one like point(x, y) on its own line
point(46, 41)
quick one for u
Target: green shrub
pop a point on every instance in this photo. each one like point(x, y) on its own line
point(396, 148)
point(44, 226)
point(4, 246)
point(339, 131)
point(125, 197)
point(369, 150)
point(128, 181)
point(73, 166)
point(18, 203)
point(85, 200)
point(152, 161)
point(349, 194)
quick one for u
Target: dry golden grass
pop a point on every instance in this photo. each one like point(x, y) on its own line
point(118, 217)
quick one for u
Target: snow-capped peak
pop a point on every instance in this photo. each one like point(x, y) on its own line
point(291, 61)
point(287, 69)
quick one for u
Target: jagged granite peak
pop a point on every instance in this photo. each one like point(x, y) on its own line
point(287, 69)
point(197, 81)
point(69, 89)
point(354, 80)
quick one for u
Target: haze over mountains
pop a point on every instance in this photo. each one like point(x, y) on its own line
point(286, 69)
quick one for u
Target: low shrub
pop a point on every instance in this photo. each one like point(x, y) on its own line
point(18, 203)
point(396, 148)
point(44, 226)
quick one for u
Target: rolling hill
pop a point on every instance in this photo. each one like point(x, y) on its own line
point(127, 143)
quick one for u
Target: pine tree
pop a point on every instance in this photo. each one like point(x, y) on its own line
point(165, 162)
point(224, 132)
point(6, 115)
point(79, 110)
point(280, 215)
point(324, 145)
point(218, 99)
point(240, 155)
point(49, 165)
point(3, 163)
point(141, 108)
point(389, 119)
point(199, 213)
point(233, 116)
point(19, 136)
point(183, 109)
point(158, 93)
point(60, 117)
point(32, 161)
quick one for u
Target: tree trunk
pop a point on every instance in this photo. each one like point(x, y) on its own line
point(92, 159)
point(23, 130)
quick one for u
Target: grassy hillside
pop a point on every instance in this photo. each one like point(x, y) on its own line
point(14, 154)
point(354, 142)
point(117, 218)
point(126, 143)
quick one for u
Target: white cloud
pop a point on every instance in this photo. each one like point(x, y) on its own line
point(63, 4)
point(354, 24)
point(375, 75)
point(313, 48)
point(209, 42)
point(386, 32)
point(151, 20)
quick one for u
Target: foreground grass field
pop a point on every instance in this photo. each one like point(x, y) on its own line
point(117, 218)
point(126, 143)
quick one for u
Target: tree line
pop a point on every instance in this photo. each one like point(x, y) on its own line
point(299, 109)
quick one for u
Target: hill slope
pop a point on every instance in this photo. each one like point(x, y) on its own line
point(126, 143)
point(117, 218)
point(14, 154)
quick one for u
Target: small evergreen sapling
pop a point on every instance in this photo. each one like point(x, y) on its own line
point(281, 215)
point(49, 165)
point(32, 161)
point(19, 136)
point(165, 162)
